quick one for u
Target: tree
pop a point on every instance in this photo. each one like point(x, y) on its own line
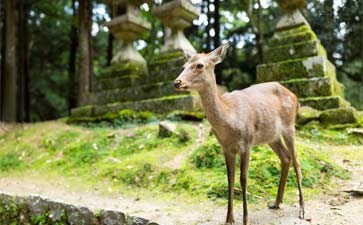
point(85, 46)
point(23, 78)
point(9, 103)
point(72, 100)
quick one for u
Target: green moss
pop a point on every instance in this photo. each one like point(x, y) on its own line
point(323, 103)
point(292, 38)
point(9, 211)
point(339, 116)
point(115, 82)
point(124, 69)
point(310, 87)
point(294, 51)
point(9, 161)
point(307, 114)
point(83, 111)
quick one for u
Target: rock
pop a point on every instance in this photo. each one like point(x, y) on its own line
point(132, 220)
point(338, 116)
point(166, 129)
point(56, 211)
point(112, 218)
point(307, 114)
point(80, 216)
point(37, 206)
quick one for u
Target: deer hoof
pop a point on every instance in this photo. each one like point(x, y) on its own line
point(302, 213)
point(228, 223)
point(274, 205)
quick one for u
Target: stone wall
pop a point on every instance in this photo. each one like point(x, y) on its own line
point(34, 210)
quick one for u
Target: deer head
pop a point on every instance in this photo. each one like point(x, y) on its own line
point(199, 69)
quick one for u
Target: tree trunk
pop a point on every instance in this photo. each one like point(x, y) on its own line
point(2, 52)
point(23, 79)
point(112, 12)
point(85, 45)
point(9, 106)
point(256, 29)
point(216, 38)
point(72, 98)
point(209, 25)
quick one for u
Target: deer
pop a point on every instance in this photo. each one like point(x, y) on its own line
point(261, 114)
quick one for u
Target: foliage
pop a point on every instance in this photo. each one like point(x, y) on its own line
point(136, 157)
point(9, 161)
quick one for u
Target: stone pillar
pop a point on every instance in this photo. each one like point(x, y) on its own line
point(295, 57)
point(177, 15)
point(128, 28)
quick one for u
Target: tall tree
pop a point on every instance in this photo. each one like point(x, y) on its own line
point(85, 45)
point(9, 103)
point(2, 52)
point(72, 99)
point(23, 78)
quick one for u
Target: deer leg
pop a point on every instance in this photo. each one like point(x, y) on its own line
point(285, 158)
point(289, 138)
point(245, 161)
point(231, 167)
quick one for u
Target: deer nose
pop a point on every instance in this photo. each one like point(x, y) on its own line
point(177, 83)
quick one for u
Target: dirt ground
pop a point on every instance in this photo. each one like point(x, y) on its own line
point(340, 207)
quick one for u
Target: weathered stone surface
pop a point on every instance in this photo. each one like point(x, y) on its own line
point(166, 129)
point(323, 103)
point(278, 40)
point(37, 206)
point(135, 93)
point(158, 105)
point(115, 82)
point(80, 216)
point(291, 5)
point(83, 111)
point(132, 220)
point(112, 218)
point(124, 69)
point(307, 114)
point(56, 211)
point(294, 69)
point(294, 51)
point(338, 116)
point(321, 86)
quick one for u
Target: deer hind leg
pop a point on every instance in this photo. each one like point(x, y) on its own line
point(245, 161)
point(289, 138)
point(231, 167)
point(284, 155)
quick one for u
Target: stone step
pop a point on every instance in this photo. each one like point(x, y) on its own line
point(162, 105)
point(314, 87)
point(346, 115)
point(124, 69)
point(134, 93)
point(115, 82)
point(166, 70)
point(323, 103)
point(292, 38)
point(294, 51)
point(316, 66)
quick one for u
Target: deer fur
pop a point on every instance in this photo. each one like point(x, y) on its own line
point(261, 114)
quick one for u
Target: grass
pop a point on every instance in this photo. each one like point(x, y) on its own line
point(130, 158)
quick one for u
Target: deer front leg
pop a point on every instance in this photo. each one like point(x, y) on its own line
point(245, 161)
point(231, 167)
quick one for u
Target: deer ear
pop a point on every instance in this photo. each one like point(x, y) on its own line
point(218, 55)
point(188, 54)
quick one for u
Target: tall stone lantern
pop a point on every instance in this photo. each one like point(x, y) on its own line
point(177, 15)
point(128, 28)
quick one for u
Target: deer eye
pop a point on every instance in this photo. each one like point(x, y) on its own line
point(200, 66)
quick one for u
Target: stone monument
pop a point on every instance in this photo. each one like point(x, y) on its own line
point(131, 82)
point(295, 57)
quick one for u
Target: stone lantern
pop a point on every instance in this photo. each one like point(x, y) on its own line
point(177, 15)
point(128, 28)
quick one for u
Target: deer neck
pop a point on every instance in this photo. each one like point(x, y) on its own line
point(213, 105)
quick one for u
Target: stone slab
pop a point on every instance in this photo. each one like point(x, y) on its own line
point(291, 19)
point(347, 115)
point(298, 36)
point(115, 82)
point(162, 105)
point(317, 66)
point(134, 93)
point(294, 51)
point(314, 87)
point(323, 103)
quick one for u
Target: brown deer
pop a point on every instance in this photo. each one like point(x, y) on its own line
point(261, 114)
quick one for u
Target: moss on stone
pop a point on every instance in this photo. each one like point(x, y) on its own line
point(186, 115)
point(115, 82)
point(322, 86)
point(339, 116)
point(294, 51)
point(124, 69)
point(292, 69)
point(307, 114)
point(9, 210)
point(288, 39)
point(135, 93)
point(323, 103)
point(293, 30)
point(83, 111)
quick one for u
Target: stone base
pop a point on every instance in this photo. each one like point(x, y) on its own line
point(162, 105)
point(323, 103)
point(319, 86)
point(346, 115)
